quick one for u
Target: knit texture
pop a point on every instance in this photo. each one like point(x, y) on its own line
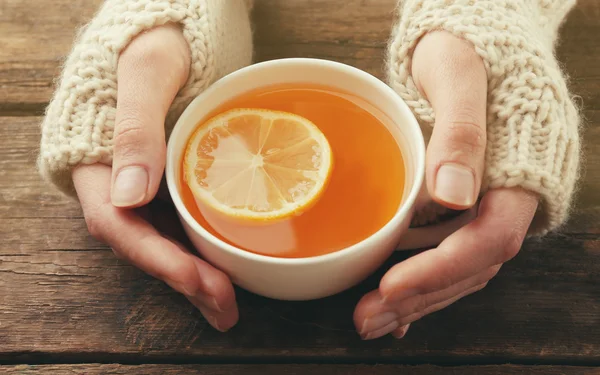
point(79, 122)
point(532, 123)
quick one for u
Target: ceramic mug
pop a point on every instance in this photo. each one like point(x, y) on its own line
point(318, 276)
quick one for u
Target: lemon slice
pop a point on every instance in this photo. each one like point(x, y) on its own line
point(258, 164)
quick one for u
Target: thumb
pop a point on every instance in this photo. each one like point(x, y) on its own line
point(452, 76)
point(151, 71)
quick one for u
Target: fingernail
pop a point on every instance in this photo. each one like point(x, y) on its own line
point(212, 320)
point(129, 187)
point(379, 325)
point(401, 332)
point(455, 184)
point(205, 305)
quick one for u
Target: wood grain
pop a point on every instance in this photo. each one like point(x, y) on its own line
point(84, 305)
point(33, 44)
point(64, 297)
point(94, 369)
point(22, 193)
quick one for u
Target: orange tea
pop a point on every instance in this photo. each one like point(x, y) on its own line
point(363, 192)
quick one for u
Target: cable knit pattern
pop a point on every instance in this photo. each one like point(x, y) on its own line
point(79, 122)
point(532, 123)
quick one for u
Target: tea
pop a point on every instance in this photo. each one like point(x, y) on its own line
point(365, 186)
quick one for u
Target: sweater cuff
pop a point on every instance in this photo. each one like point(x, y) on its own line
point(79, 122)
point(532, 123)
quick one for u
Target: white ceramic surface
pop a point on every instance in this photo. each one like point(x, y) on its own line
point(313, 277)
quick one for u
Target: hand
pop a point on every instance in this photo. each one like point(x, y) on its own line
point(451, 75)
point(152, 69)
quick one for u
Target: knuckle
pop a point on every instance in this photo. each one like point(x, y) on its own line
point(129, 137)
point(466, 135)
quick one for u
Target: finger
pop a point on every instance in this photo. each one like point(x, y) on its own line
point(221, 320)
point(452, 76)
point(372, 309)
point(399, 327)
point(422, 302)
point(437, 307)
point(432, 235)
point(151, 71)
point(139, 243)
point(372, 318)
point(493, 238)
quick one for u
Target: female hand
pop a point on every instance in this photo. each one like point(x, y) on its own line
point(451, 75)
point(151, 70)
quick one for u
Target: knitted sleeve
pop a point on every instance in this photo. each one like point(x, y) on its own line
point(532, 122)
point(79, 122)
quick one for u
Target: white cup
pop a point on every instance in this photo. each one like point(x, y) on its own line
point(318, 276)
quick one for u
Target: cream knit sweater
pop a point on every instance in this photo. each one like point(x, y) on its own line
point(79, 122)
point(532, 123)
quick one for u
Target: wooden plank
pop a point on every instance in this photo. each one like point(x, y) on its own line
point(326, 30)
point(63, 295)
point(22, 192)
point(349, 31)
point(32, 46)
point(83, 304)
point(97, 369)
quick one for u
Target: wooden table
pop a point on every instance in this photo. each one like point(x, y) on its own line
point(67, 306)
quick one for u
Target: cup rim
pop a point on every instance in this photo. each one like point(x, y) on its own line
point(368, 242)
